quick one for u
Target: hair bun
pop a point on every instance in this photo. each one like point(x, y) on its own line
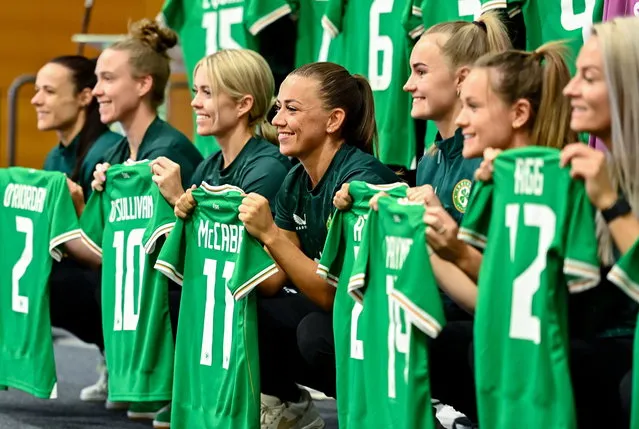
point(160, 39)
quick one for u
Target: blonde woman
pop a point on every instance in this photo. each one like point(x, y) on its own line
point(605, 99)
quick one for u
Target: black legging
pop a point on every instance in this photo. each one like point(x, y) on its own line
point(74, 292)
point(296, 346)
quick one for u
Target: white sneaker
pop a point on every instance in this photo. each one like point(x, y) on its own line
point(275, 414)
point(446, 415)
point(316, 395)
point(99, 391)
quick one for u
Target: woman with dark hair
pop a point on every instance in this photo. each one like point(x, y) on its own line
point(64, 104)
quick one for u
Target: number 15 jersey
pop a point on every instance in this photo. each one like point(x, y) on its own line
point(217, 378)
point(120, 223)
point(537, 228)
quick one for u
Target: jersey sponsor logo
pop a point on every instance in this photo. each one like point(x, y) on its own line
point(461, 193)
point(25, 197)
point(301, 222)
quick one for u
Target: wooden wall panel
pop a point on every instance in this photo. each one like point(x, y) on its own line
point(31, 33)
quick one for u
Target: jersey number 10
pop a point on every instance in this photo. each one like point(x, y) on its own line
point(523, 325)
point(126, 313)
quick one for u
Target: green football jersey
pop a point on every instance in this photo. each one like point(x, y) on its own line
point(217, 344)
point(543, 245)
point(338, 256)
point(314, 41)
point(36, 218)
point(122, 224)
point(207, 26)
point(625, 274)
point(395, 317)
point(307, 210)
point(571, 21)
point(378, 48)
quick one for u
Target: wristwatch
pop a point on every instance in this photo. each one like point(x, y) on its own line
point(619, 208)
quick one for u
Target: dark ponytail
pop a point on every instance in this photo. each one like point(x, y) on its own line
point(83, 76)
point(339, 89)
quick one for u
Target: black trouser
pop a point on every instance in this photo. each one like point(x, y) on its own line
point(296, 346)
point(451, 378)
point(597, 368)
point(74, 292)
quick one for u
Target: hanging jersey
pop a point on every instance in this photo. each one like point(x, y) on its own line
point(335, 265)
point(207, 26)
point(313, 41)
point(36, 218)
point(395, 317)
point(123, 224)
point(541, 230)
point(571, 21)
point(218, 265)
point(378, 48)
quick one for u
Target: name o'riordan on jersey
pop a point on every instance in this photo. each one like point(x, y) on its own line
point(25, 197)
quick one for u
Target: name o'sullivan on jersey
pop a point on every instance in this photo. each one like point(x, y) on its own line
point(25, 197)
point(131, 208)
point(221, 236)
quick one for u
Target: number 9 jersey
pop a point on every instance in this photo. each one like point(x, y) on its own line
point(122, 224)
point(538, 231)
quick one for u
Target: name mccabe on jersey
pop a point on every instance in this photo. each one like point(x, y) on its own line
point(131, 208)
point(25, 197)
point(221, 236)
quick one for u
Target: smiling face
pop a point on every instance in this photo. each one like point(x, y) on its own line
point(588, 92)
point(485, 119)
point(301, 119)
point(117, 91)
point(432, 83)
point(216, 114)
point(56, 102)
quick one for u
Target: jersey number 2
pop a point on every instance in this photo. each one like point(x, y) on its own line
point(523, 324)
point(20, 304)
point(210, 271)
point(126, 313)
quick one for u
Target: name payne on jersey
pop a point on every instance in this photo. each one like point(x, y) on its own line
point(397, 249)
point(130, 208)
point(25, 197)
point(222, 237)
point(214, 4)
point(529, 180)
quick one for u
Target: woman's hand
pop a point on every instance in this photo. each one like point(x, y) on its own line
point(590, 165)
point(77, 195)
point(99, 176)
point(256, 215)
point(185, 204)
point(441, 233)
point(166, 174)
point(424, 194)
point(485, 170)
point(342, 199)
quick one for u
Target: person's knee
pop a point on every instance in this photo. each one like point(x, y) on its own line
point(315, 337)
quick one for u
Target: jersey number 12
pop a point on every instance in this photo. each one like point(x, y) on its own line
point(523, 324)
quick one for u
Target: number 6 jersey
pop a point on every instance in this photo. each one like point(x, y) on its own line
point(36, 218)
point(217, 379)
point(537, 229)
point(118, 223)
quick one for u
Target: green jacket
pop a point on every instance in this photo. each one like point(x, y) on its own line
point(446, 170)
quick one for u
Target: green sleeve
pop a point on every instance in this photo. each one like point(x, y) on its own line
point(357, 281)
point(93, 222)
point(332, 20)
point(64, 221)
point(476, 221)
point(625, 273)
point(161, 223)
point(412, 19)
point(416, 290)
point(283, 210)
point(581, 262)
point(259, 14)
point(487, 5)
point(171, 259)
point(173, 14)
point(252, 267)
point(330, 264)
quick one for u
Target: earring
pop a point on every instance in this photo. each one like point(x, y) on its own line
point(458, 92)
